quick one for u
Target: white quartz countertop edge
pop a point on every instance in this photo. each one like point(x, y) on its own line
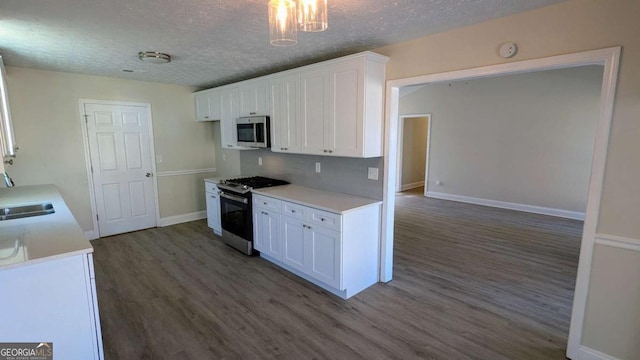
point(320, 199)
point(41, 238)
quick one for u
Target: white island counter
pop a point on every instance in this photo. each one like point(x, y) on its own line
point(47, 280)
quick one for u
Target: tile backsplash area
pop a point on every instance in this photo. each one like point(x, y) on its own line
point(343, 175)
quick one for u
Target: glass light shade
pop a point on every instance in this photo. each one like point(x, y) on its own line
point(312, 15)
point(282, 22)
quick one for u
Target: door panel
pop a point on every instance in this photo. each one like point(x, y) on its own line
point(120, 150)
point(293, 243)
point(344, 123)
point(133, 151)
point(324, 255)
point(313, 112)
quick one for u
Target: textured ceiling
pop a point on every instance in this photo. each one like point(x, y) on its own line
point(214, 42)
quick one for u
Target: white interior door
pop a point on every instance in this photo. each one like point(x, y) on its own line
point(120, 151)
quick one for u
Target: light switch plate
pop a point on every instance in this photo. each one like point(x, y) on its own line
point(373, 173)
point(317, 167)
point(158, 159)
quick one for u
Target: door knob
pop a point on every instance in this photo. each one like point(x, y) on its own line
point(148, 175)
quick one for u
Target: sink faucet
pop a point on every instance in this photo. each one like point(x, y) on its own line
point(7, 180)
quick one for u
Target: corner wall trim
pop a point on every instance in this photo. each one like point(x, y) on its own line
point(185, 172)
point(509, 205)
point(178, 219)
point(586, 353)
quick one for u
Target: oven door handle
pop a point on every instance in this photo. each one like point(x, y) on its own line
point(234, 197)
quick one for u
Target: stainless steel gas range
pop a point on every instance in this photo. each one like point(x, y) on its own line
point(235, 210)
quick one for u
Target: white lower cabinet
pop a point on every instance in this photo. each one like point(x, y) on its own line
point(338, 252)
point(53, 301)
point(322, 247)
point(213, 207)
point(266, 232)
point(293, 243)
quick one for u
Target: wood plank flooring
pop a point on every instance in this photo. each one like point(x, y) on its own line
point(470, 282)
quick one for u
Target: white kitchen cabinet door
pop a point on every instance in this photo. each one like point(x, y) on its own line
point(266, 233)
point(202, 106)
point(285, 136)
point(208, 105)
point(230, 113)
point(293, 249)
point(314, 107)
point(215, 104)
point(345, 109)
point(254, 97)
point(322, 247)
point(213, 208)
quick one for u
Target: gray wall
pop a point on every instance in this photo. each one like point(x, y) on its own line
point(343, 175)
point(525, 139)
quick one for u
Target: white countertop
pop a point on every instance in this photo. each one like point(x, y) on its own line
point(320, 199)
point(35, 239)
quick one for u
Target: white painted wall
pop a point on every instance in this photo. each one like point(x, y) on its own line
point(524, 139)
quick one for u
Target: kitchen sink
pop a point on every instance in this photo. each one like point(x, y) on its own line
point(17, 212)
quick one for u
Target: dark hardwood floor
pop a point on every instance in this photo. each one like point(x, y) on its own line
point(470, 282)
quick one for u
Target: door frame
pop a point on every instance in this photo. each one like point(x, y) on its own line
point(401, 121)
point(607, 57)
point(95, 233)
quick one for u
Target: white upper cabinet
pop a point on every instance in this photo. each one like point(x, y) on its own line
point(341, 107)
point(285, 135)
point(230, 112)
point(254, 97)
point(333, 108)
point(313, 111)
point(208, 105)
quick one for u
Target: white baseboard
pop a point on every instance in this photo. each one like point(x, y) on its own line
point(91, 235)
point(414, 185)
point(178, 219)
point(585, 353)
point(509, 205)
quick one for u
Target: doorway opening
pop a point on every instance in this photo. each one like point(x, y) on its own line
point(414, 134)
point(609, 58)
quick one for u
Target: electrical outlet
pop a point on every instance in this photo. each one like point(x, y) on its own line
point(260, 160)
point(317, 167)
point(373, 173)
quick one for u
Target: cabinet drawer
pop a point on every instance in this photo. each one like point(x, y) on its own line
point(294, 210)
point(266, 202)
point(210, 187)
point(325, 219)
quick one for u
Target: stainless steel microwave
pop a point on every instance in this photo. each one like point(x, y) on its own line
point(253, 131)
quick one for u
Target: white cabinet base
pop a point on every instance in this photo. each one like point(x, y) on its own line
point(53, 301)
point(344, 294)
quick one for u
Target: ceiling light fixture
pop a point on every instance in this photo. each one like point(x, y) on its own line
point(312, 15)
point(283, 29)
point(154, 57)
point(285, 17)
